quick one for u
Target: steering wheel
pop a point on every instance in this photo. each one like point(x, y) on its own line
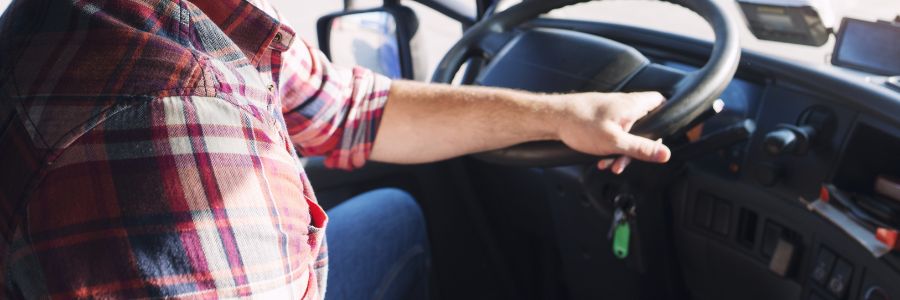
point(690, 97)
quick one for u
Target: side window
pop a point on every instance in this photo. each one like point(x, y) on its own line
point(436, 34)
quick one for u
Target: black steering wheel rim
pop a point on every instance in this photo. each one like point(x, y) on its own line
point(691, 97)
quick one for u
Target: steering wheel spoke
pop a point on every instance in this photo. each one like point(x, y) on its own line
point(493, 43)
point(656, 77)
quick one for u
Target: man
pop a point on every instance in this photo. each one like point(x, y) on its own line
point(149, 150)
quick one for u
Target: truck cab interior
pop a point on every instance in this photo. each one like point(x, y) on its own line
point(783, 182)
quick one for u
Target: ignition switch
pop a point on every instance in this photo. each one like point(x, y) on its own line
point(816, 123)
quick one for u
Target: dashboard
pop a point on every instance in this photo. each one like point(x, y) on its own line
point(745, 216)
point(747, 224)
point(743, 205)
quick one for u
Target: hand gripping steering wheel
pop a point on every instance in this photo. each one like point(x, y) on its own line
point(689, 97)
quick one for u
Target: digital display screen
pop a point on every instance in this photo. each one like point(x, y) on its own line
point(777, 22)
point(868, 46)
point(788, 24)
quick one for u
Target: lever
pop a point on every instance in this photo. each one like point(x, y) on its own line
point(716, 140)
point(816, 123)
point(789, 139)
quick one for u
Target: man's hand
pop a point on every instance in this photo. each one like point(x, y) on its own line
point(597, 123)
point(430, 122)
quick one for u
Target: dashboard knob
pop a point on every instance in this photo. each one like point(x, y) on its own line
point(788, 139)
point(780, 141)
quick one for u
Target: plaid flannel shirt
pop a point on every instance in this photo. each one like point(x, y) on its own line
point(148, 149)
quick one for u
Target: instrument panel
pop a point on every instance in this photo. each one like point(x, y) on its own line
point(749, 207)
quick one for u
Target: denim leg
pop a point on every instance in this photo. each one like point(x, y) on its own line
point(377, 248)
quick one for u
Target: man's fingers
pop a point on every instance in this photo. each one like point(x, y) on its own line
point(642, 148)
point(647, 101)
point(619, 166)
point(641, 106)
point(605, 163)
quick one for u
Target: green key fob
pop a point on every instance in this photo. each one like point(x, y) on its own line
point(621, 237)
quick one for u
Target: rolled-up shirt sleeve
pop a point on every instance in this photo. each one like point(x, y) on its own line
point(330, 110)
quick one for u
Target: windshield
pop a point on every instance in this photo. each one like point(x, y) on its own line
point(672, 18)
point(655, 15)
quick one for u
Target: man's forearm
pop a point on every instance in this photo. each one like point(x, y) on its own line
point(430, 122)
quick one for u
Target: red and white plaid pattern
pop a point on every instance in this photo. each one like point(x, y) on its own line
point(147, 149)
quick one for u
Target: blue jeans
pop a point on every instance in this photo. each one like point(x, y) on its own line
point(377, 248)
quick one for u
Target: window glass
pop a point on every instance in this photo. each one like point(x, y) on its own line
point(672, 18)
point(437, 33)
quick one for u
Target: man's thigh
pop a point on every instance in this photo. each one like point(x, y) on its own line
point(377, 248)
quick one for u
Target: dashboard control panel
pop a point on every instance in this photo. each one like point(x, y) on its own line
point(759, 216)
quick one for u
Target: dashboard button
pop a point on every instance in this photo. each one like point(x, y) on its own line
point(721, 217)
point(783, 258)
point(840, 278)
point(703, 211)
point(822, 266)
point(771, 235)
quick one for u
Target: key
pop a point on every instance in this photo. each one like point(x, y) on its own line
point(618, 218)
point(620, 230)
point(621, 238)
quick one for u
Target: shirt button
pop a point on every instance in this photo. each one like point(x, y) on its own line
point(277, 38)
